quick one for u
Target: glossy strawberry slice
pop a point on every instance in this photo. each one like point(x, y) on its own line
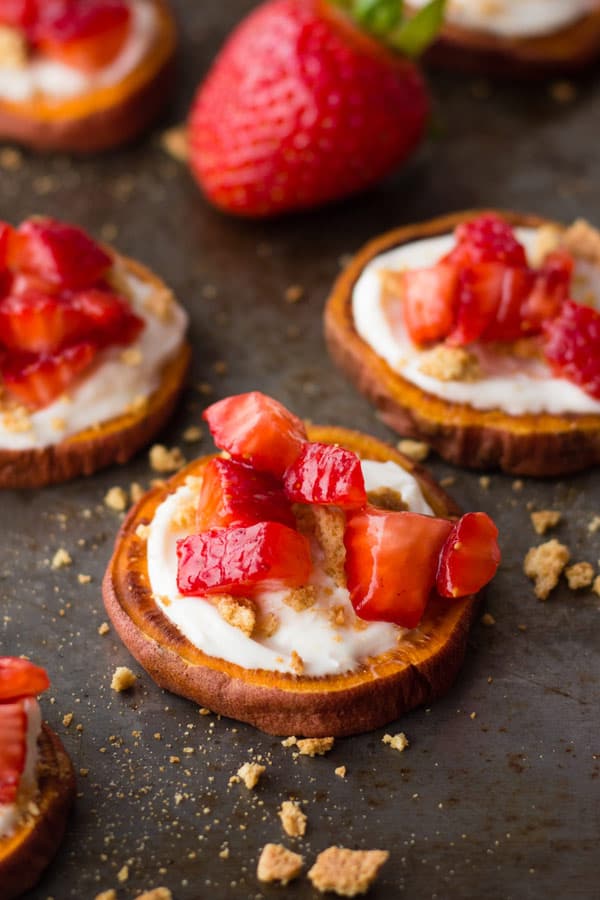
point(551, 287)
point(326, 474)
point(20, 678)
point(391, 563)
point(429, 302)
point(109, 318)
point(13, 748)
point(20, 14)
point(60, 254)
point(39, 322)
point(235, 494)
point(470, 556)
point(257, 430)
point(479, 296)
point(242, 560)
point(572, 346)
point(484, 239)
point(85, 34)
point(38, 380)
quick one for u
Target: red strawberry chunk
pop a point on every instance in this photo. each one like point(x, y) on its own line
point(257, 430)
point(479, 296)
point(13, 748)
point(470, 556)
point(85, 34)
point(550, 289)
point(326, 473)
point(572, 346)
point(20, 678)
point(109, 317)
point(235, 494)
point(391, 563)
point(20, 14)
point(38, 322)
point(429, 302)
point(243, 560)
point(487, 238)
point(61, 254)
point(37, 380)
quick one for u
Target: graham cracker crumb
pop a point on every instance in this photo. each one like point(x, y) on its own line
point(450, 364)
point(174, 141)
point(277, 863)
point(337, 616)
point(583, 241)
point(315, 746)
point(143, 531)
point(267, 625)
point(240, 612)
point(288, 742)
point(547, 240)
point(132, 357)
point(397, 742)
point(13, 48)
point(104, 628)
point(250, 774)
point(518, 485)
point(292, 819)
point(580, 575)
point(327, 525)
point(61, 559)
point(160, 893)
point(387, 498)
point(488, 619)
point(346, 872)
point(123, 679)
point(136, 492)
point(160, 303)
point(418, 451)
point(205, 711)
point(123, 874)
point(67, 719)
point(296, 663)
point(16, 419)
point(485, 481)
point(116, 499)
point(193, 434)
point(84, 579)
point(545, 519)
point(340, 771)
point(594, 525)
point(294, 293)
point(544, 565)
point(163, 460)
point(301, 598)
point(107, 895)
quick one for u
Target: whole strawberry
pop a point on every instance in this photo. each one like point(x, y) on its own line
point(300, 108)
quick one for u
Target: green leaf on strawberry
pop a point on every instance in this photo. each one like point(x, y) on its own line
point(413, 36)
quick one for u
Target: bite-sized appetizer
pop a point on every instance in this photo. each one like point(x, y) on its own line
point(37, 782)
point(92, 354)
point(308, 580)
point(83, 75)
point(479, 333)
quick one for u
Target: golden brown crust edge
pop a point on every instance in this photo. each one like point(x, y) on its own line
point(115, 441)
point(104, 119)
point(25, 856)
point(277, 703)
point(540, 445)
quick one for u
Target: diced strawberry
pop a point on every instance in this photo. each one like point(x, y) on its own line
point(550, 289)
point(326, 474)
point(109, 317)
point(469, 558)
point(20, 14)
point(487, 238)
point(6, 237)
point(38, 322)
point(429, 302)
point(20, 678)
point(235, 494)
point(242, 560)
point(479, 296)
point(391, 563)
point(38, 380)
point(257, 430)
point(61, 254)
point(572, 346)
point(13, 748)
point(85, 34)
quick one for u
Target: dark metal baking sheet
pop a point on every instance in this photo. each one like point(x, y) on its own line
point(500, 805)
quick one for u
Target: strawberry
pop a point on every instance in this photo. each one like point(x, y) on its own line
point(302, 108)
point(20, 678)
point(429, 302)
point(241, 561)
point(257, 430)
point(484, 239)
point(326, 474)
point(109, 318)
point(22, 14)
point(391, 563)
point(469, 557)
point(37, 380)
point(234, 494)
point(85, 34)
point(38, 322)
point(550, 290)
point(13, 748)
point(572, 346)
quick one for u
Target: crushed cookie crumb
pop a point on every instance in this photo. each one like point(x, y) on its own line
point(301, 598)
point(104, 628)
point(387, 498)
point(518, 485)
point(61, 559)
point(13, 48)
point(193, 434)
point(267, 625)
point(327, 525)
point(116, 499)
point(123, 679)
point(547, 240)
point(545, 519)
point(450, 364)
point(397, 742)
point(594, 525)
point(292, 818)
point(340, 771)
point(160, 893)
point(315, 746)
point(205, 711)
point(160, 303)
point(250, 774)
point(123, 874)
point(67, 719)
point(488, 619)
point(337, 616)
point(296, 663)
point(163, 460)
point(346, 872)
point(418, 451)
point(580, 575)
point(485, 481)
point(583, 241)
point(143, 531)
point(174, 141)
point(294, 293)
point(107, 895)
point(240, 612)
point(132, 357)
point(544, 564)
point(136, 492)
point(288, 742)
point(277, 863)
point(84, 579)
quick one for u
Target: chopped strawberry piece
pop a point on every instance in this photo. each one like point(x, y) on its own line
point(38, 322)
point(429, 302)
point(20, 678)
point(6, 236)
point(85, 34)
point(326, 473)
point(470, 556)
point(243, 560)
point(109, 317)
point(13, 748)
point(550, 290)
point(37, 381)
point(479, 296)
point(235, 494)
point(391, 563)
point(61, 254)
point(20, 14)
point(487, 238)
point(572, 346)
point(257, 430)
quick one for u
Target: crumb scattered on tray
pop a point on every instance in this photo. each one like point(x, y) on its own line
point(250, 774)
point(123, 874)
point(107, 895)
point(160, 893)
point(116, 499)
point(193, 434)
point(294, 293)
point(292, 819)
point(123, 679)
point(580, 575)
point(488, 619)
point(418, 451)
point(277, 863)
point(164, 460)
point(346, 872)
point(594, 525)
point(314, 746)
point(544, 564)
point(104, 628)
point(545, 519)
point(340, 771)
point(485, 481)
point(84, 579)
point(67, 719)
point(61, 559)
point(174, 141)
point(397, 742)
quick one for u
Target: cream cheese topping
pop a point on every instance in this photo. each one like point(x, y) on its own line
point(12, 813)
point(325, 648)
point(515, 385)
point(53, 79)
point(515, 18)
point(115, 384)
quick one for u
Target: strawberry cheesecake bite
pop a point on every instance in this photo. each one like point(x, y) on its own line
point(480, 334)
point(308, 580)
point(92, 354)
point(37, 782)
point(83, 75)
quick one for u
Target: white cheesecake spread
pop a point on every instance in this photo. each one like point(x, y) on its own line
point(512, 384)
point(12, 813)
point(53, 79)
point(120, 379)
point(325, 648)
point(514, 18)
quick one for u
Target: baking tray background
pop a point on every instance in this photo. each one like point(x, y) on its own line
point(503, 804)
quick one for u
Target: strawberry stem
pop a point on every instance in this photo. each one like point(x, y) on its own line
point(387, 20)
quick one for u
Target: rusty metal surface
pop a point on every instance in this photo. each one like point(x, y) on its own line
point(501, 804)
